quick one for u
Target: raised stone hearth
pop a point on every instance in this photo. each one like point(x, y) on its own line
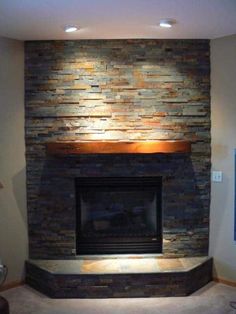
point(106, 277)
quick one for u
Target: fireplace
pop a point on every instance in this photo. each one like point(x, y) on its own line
point(99, 110)
point(119, 215)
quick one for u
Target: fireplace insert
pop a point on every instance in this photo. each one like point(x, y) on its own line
point(118, 215)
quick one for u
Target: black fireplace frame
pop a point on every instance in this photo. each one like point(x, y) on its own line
point(119, 245)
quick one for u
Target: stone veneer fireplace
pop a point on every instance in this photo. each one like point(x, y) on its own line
point(117, 90)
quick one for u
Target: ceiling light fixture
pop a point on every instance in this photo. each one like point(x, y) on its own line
point(70, 28)
point(167, 23)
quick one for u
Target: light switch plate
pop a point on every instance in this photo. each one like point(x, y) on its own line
point(217, 176)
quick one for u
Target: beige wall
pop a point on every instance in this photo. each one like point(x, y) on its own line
point(13, 221)
point(223, 93)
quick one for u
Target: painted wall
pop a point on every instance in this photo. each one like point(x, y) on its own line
point(13, 222)
point(223, 96)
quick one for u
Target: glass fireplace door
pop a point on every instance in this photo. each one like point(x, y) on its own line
point(118, 215)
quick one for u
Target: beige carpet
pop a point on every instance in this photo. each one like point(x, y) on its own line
point(213, 298)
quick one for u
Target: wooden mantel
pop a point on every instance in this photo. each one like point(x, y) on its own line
point(112, 147)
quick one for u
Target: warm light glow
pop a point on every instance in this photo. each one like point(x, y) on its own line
point(167, 23)
point(164, 24)
point(70, 29)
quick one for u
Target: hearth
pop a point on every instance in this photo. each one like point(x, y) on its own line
point(119, 215)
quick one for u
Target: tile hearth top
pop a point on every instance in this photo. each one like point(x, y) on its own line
point(122, 265)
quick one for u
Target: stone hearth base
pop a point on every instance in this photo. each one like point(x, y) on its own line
point(118, 277)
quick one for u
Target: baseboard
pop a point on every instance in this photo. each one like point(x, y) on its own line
point(12, 284)
point(225, 281)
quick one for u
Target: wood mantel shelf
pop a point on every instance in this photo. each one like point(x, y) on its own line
point(112, 147)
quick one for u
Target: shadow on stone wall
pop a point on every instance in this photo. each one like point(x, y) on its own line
point(185, 200)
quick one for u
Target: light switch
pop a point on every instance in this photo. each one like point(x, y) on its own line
point(217, 176)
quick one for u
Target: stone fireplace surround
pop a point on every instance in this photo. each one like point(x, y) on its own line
point(117, 90)
point(46, 275)
point(185, 230)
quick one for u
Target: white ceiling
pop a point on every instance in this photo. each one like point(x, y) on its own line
point(45, 19)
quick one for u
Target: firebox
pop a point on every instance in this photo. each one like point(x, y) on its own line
point(119, 215)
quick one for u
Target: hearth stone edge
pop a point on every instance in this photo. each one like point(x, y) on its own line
point(119, 285)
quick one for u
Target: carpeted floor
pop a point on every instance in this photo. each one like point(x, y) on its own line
point(213, 298)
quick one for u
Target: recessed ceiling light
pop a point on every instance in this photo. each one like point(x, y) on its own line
point(167, 23)
point(70, 28)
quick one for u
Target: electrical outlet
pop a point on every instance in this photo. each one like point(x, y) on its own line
point(217, 176)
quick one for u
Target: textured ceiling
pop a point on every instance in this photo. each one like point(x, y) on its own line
point(45, 19)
